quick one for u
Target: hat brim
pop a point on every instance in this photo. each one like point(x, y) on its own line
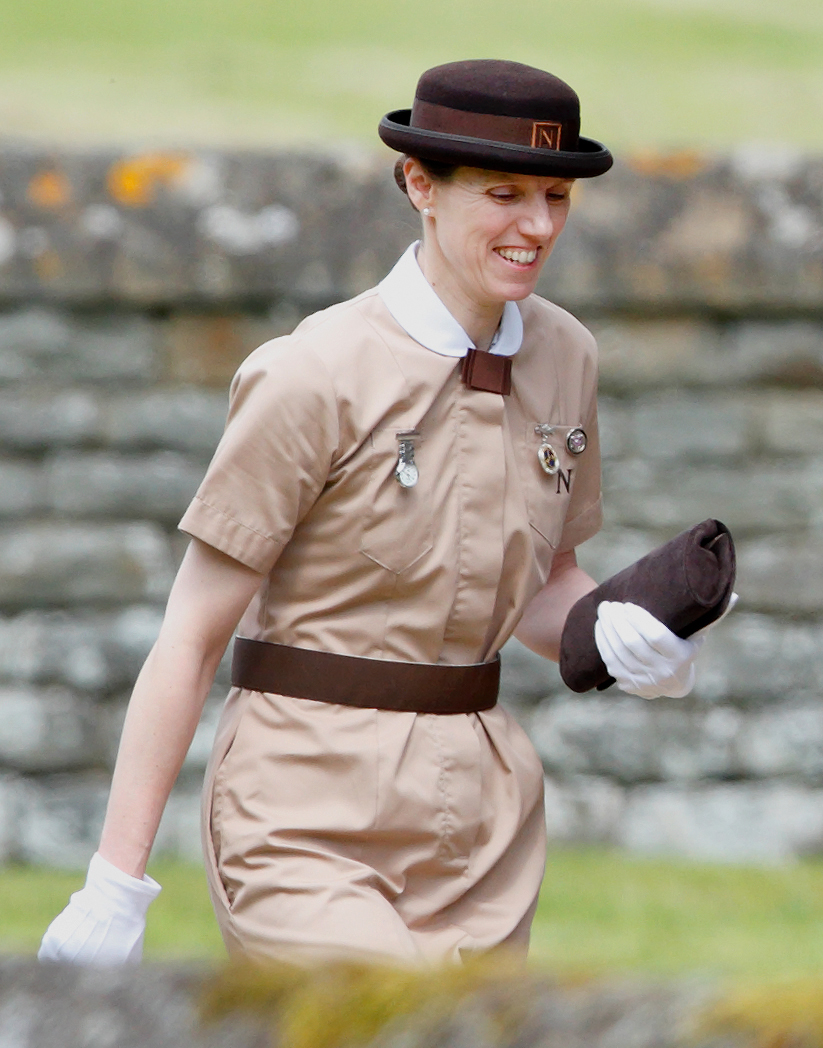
point(589, 160)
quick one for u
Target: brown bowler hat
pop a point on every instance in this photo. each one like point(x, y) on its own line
point(504, 116)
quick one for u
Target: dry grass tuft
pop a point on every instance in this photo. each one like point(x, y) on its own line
point(788, 1015)
point(351, 1003)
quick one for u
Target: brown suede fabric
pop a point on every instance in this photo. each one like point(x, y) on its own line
point(498, 115)
point(487, 371)
point(500, 88)
point(686, 583)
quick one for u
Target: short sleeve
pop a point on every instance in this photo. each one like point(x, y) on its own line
point(273, 459)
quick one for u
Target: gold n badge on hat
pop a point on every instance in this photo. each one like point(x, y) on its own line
point(546, 135)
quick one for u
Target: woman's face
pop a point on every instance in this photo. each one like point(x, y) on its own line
point(489, 233)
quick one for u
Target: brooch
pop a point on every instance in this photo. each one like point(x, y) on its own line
point(546, 455)
point(576, 441)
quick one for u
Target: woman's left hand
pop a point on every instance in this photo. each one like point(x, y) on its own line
point(644, 656)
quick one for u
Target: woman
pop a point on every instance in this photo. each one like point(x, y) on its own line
point(400, 487)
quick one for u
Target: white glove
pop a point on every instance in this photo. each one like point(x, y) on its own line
point(644, 656)
point(104, 922)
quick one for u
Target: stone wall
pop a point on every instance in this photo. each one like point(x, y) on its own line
point(132, 285)
point(176, 1006)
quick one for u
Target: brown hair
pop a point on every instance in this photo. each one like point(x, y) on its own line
point(437, 170)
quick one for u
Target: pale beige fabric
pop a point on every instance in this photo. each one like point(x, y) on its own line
point(375, 832)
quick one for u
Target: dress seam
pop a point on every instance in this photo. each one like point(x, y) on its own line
point(458, 585)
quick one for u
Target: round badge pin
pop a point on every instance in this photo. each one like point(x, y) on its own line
point(576, 440)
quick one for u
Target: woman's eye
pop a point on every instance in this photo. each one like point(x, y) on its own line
point(504, 196)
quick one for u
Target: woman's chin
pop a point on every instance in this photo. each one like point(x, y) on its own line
point(515, 284)
point(515, 290)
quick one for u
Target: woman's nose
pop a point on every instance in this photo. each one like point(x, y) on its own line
point(537, 221)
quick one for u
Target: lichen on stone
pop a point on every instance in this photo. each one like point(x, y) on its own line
point(350, 1004)
point(783, 1015)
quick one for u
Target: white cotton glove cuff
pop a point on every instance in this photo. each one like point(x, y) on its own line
point(104, 922)
point(644, 656)
point(120, 893)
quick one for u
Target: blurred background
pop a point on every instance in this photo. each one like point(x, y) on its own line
point(708, 73)
point(182, 179)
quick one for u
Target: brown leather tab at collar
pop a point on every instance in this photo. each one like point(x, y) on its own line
point(487, 371)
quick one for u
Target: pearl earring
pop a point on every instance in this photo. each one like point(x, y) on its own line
point(427, 212)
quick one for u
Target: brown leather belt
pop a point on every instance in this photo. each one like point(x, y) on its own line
point(418, 687)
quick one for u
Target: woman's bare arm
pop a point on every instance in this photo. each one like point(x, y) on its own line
point(208, 597)
point(542, 623)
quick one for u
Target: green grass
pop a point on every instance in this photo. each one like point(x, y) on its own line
point(606, 911)
point(181, 920)
point(650, 72)
point(600, 911)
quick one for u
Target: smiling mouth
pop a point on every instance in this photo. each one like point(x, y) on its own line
point(521, 256)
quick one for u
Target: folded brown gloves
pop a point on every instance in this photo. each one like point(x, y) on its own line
point(685, 583)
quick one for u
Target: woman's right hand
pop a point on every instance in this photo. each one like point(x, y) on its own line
point(104, 922)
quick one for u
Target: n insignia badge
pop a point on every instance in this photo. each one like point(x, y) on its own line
point(545, 135)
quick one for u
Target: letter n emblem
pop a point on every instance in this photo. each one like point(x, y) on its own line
point(546, 135)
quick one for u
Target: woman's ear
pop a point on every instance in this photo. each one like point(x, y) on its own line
point(419, 185)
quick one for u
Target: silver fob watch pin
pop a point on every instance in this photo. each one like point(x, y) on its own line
point(406, 472)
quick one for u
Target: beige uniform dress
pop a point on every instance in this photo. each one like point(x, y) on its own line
point(336, 831)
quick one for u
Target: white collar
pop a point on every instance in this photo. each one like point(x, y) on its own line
point(416, 307)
